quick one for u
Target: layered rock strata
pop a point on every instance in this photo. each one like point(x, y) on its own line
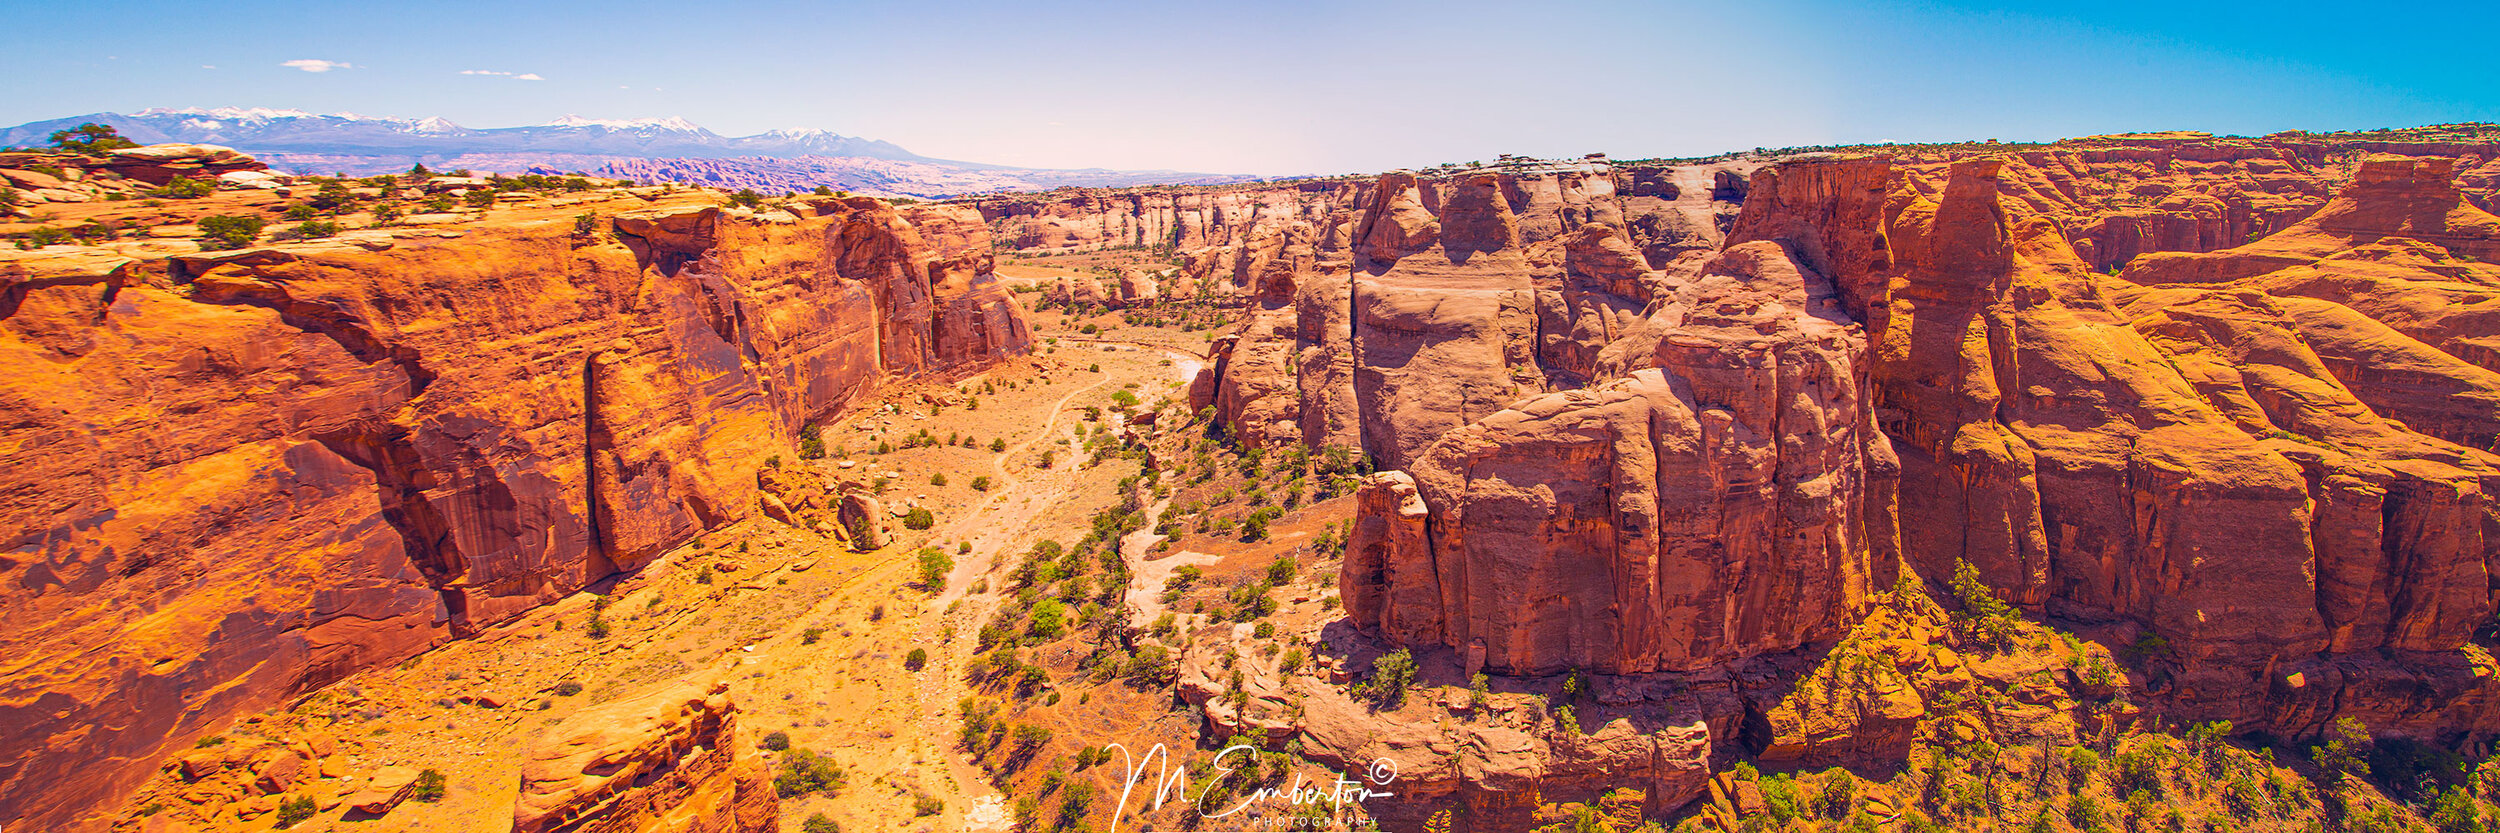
point(236, 477)
point(670, 761)
point(2275, 456)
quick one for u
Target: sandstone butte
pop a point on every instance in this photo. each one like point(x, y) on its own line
point(2239, 394)
point(303, 460)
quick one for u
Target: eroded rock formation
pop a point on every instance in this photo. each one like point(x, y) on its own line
point(2277, 455)
point(670, 761)
point(236, 477)
point(1708, 506)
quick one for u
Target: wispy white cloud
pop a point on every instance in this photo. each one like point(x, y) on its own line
point(482, 72)
point(208, 66)
point(316, 65)
point(527, 76)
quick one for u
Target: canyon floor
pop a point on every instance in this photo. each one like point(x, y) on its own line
point(814, 635)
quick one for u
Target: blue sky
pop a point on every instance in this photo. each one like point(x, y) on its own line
point(1286, 87)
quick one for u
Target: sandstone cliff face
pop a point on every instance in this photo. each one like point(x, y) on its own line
point(2276, 455)
point(1705, 507)
point(237, 477)
point(2190, 457)
point(1384, 314)
point(670, 761)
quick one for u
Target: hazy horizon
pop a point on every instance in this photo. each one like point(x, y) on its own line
point(1292, 88)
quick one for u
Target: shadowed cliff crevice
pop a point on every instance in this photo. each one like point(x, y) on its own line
point(401, 479)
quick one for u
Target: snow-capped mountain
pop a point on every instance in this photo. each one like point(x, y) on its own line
point(264, 131)
point(645, 149)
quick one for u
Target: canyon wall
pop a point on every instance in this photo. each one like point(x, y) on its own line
point(2235, 393)
point(239, 476)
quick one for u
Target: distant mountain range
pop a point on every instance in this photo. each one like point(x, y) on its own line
point(650, 150)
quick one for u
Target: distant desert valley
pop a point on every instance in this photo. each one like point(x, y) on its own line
point(365, 480)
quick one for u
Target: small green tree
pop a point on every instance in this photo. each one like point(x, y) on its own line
point(819, 823)
point(313, 230)
point(91, 139)
point(776, 741)
point(803, 771)
point(2346, 749)
point(1049, 619)
point(1392, 674)
point(916, 660)
point(998, 445)
point(1982, 617)
point(919, 518)
point(981, 483)
point(230, 231)
point(934, 565)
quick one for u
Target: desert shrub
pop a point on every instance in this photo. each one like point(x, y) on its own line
point(819, 823)
point(295, 809)
point(934, 565)
point(598, 627)
point(916, 660)
point(184, 189)
point(777, 741)
point(568, 688)
point(1779, 795)
point(803, 771)
point(1838, 796)
point(478, 198)
point(924, 804)
point(919, 518)
point(429, 786)
point(230, 231)
point(2346, 748)
point(1049, 619)
point(585, 223)
point(313, 230)
point(1392, 674)
point(300, 212)
point(938, 479)
point(998, 445)
point(1281, 570)
point(811, 635)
